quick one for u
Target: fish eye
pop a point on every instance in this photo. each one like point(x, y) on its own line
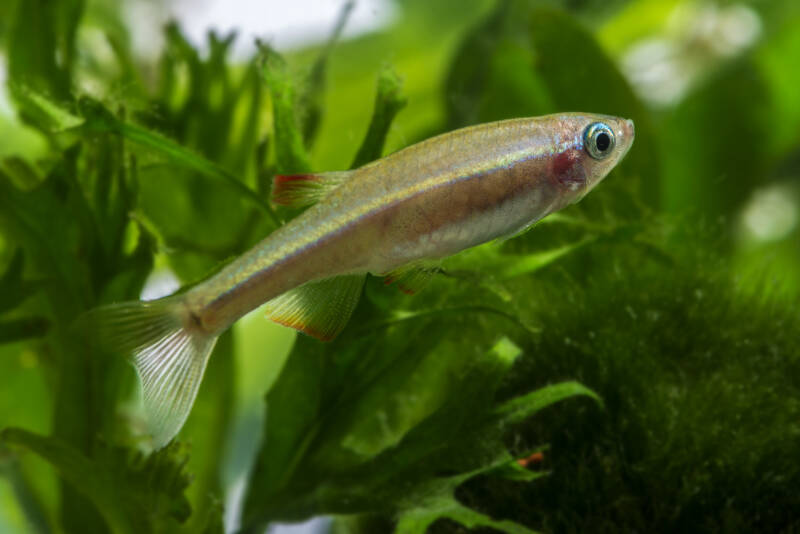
point(598, 139)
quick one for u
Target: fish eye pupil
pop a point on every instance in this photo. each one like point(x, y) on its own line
point(602, 141)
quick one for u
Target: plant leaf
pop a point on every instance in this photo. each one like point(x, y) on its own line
point(290, 153)
point(389, 101)
point(520, 408)
point(133, 493)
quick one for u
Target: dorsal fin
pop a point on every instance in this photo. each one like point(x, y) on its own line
point(300, 190)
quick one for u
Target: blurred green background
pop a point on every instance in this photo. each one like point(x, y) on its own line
point(670, 292)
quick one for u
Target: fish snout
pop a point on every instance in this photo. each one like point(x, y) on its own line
point(628, 129)
point(626, 132)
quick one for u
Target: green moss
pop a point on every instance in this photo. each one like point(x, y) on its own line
point(701, 419)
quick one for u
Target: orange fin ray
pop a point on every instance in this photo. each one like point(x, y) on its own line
point(319, 309)
point(300, 190)
point(412, 278)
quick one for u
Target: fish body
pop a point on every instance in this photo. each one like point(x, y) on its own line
point(425, 202)
point(420, 204)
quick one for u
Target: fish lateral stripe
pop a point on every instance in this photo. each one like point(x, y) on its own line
point(299, 189)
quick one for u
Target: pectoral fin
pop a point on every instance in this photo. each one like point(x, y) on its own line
point(412, 278)
point(320, 309)
point(300, 190)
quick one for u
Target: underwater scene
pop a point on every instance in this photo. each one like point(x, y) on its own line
point(399, 266)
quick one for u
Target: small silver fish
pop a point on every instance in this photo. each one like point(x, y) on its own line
point(392, 217)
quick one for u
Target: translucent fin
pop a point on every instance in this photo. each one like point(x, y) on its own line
point(299, 190)
point(412, 278)
point(169, 358)
point(320, 309)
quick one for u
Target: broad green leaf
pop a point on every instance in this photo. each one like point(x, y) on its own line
point(291, 420)
point(386, 423)
point(521, 408)
point(386, 412)
point(440, 503)
point(773, 59)
point(704, 173)
point(447, 507)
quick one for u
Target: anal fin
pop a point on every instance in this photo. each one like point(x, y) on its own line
point(320, 309)
point(300, 190)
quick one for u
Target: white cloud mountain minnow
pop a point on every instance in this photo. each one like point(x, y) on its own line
point(391, 217)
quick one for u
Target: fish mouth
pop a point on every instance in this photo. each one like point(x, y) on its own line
point(628, 131)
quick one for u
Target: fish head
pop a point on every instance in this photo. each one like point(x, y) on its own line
point(588, 146)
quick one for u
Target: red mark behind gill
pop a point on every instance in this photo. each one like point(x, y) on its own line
point(567, 168)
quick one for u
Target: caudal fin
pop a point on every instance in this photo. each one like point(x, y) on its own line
point(169, 359)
